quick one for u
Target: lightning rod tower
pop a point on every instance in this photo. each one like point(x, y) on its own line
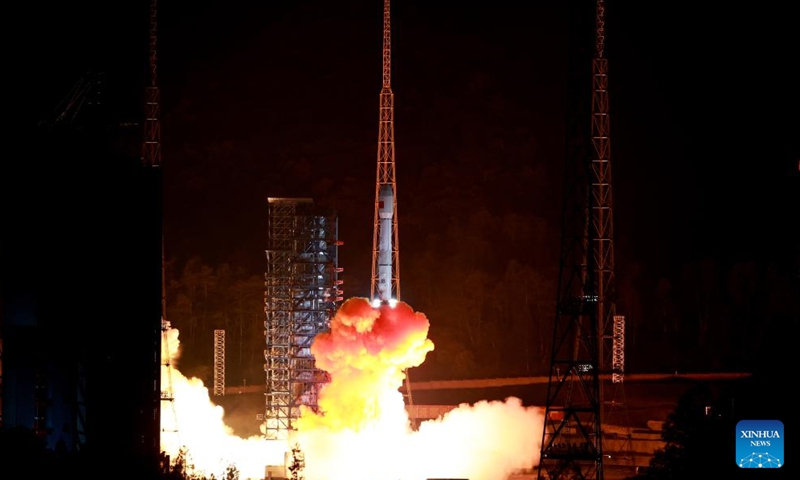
point(385, 179)
point(588, 336)
point(151, 147)
point(385, 283)
point(613, 408)
point(151, 158)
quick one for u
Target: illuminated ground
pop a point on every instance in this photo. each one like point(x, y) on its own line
point(646, 401)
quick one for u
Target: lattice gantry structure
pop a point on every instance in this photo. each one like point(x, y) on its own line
point(219, 363)
point(611, 350)
point(385, 280)
point(151, 158)
point(302, 293)
point(602, 215)
point(613, 408)
point(588, 336)
point(385, 284)
point(151, 146)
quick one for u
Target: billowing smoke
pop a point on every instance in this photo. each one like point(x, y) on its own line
point(193, 423)
point(362, 430)
point(366, 353)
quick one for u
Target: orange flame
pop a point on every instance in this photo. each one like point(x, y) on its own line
point(366, 353)
point(362, 430)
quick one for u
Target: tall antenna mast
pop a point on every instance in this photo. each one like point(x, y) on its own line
point(151, 157)
point(602, 214)
point(385, 285)
point(611, 349)
point(151, 147)
point(589, 337)
point(586, 320)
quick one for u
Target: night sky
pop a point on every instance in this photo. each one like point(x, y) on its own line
point(283, 101)
point(280, 98)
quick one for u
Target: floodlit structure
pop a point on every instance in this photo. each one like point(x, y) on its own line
point(152, 165)
point(302, 292)
point(219, 363)
point(385, 284)
point(151, 159)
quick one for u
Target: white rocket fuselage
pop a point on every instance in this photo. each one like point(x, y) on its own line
point(386, 214)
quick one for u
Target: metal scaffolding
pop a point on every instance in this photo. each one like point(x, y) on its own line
point(384, 287)
point(301, 295)
point(219, 363)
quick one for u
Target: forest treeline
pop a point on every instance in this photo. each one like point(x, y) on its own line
point(492, 314)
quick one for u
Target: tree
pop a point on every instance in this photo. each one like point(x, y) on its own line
point(202, 299)
point(698, 437)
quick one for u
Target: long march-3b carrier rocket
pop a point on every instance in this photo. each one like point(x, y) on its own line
point(385, 212)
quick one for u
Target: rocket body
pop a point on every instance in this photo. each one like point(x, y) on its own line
point(386, 214)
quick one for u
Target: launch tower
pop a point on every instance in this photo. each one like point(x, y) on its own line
point(301, 295)
point(385, 284)
point(151, 159)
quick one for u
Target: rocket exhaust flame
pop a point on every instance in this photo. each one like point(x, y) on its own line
point(366, 352)
point(362, 430)
point(210, 445)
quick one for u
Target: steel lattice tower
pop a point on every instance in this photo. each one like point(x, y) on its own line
point(151, 158)
point(219, 363)
point(611, 326)
point(386, 166)
point(151, 147)
point(588, 335)
point(385, 180)
point(301, 295)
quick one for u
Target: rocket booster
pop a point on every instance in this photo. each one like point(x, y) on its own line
point(385, 212)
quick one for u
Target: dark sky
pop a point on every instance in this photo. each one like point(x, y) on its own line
point(280, 98)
